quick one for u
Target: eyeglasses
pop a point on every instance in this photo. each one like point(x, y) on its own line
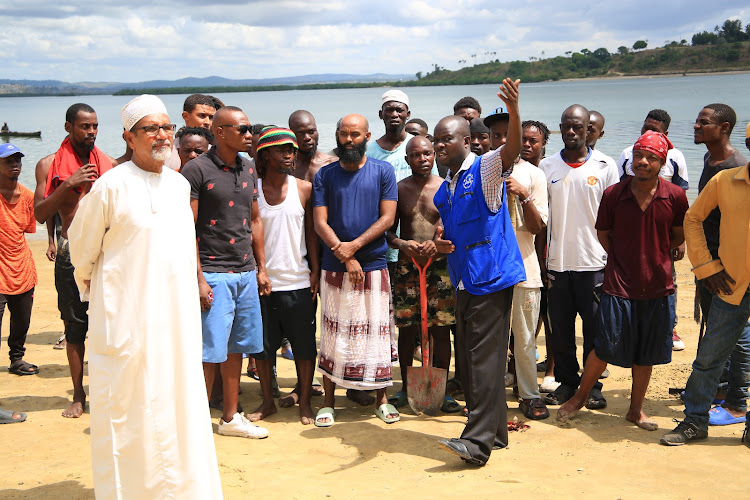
point(242, 129)
point(153, 130)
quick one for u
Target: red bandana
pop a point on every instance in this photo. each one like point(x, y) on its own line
point(654, 142)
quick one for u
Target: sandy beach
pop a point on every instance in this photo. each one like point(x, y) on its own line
point(599, 455)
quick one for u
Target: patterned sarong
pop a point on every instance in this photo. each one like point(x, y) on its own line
point(441, 302)
point(358, 336)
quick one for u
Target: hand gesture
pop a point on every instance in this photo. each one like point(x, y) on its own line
point(443, 246)
point(411, 248)
point(679, 252)
point(264, 284)
point(206, 295)
point(429, 249)
point(51, 251)
point(354, 270)
point(514, 187)
point(509, 94)
point(719, 283)
point(345, 250)
point(82, 178)
point(314, 284)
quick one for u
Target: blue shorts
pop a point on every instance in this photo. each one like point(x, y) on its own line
point(634, 332)
point(233, 325)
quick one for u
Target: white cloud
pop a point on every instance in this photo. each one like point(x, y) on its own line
point(144, 40)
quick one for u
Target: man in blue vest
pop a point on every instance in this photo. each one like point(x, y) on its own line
point(484, 267)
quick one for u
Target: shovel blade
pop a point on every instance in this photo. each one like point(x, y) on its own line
point(426, 389)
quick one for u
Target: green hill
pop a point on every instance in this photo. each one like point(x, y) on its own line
point(674, 58)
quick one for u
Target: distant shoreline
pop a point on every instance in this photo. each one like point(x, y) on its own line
point(653, 75)
point(351, 85)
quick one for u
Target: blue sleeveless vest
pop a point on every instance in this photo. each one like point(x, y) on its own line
point(486, 258)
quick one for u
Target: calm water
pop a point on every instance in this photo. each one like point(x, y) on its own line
point(624, 103)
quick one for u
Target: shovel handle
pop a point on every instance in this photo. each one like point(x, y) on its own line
point(423, 303)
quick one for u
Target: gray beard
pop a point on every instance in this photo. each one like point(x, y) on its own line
point(287, 171)
point(161, 154)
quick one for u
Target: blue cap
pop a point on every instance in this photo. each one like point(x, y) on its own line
point(9, 149)
point(498, 114)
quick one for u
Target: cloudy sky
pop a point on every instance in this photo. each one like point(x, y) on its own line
point(129, 41)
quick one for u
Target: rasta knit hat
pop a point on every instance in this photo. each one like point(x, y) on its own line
point(655, 142)
point(276, 136)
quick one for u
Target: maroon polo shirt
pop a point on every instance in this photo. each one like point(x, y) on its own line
point(639, 265)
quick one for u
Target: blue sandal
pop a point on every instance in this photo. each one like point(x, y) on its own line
point(719, 415)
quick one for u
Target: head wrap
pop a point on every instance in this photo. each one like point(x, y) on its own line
point(275, 136)
point(141, 106)
point(477, 126)
point(655, 142)
point(395, 95)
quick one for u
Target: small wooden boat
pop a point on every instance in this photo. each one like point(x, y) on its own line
point(38, 133)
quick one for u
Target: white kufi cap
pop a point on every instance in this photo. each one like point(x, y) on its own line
point(395, 95)
point(141, 106)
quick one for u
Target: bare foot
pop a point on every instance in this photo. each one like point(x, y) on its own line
point(360, 397)
point(641, 420)
point(306, 415)
point(289, 400)
point(567, 411)
point(733, 412)
point(262, 412)
point(75, 410)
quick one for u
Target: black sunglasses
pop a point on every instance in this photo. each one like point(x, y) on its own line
point(242, 129)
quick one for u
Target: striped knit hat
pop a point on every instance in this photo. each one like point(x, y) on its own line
point(276, 136)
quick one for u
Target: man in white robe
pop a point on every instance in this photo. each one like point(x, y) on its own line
point(132, 243)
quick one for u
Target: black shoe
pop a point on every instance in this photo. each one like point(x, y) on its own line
point(559, 395)
point(746, 437)
point(685, 432)
point(458, 448)
point(596, 400)
point(541, 366)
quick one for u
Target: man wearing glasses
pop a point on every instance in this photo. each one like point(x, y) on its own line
point(131, 243)
point(232, 264)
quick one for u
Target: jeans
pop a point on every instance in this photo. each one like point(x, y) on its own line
point(726, 325)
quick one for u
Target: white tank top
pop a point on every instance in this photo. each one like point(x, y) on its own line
point(284, 237)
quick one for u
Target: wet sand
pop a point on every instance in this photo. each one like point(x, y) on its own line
point(599, 454)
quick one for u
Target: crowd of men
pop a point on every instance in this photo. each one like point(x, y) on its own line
point(237, 229)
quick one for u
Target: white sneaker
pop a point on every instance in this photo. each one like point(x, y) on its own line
point(677, 343)
point(242, 427)
point(549, 384)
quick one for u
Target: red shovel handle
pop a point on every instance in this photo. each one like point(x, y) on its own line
point(423, 304)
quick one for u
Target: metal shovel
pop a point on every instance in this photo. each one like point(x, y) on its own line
point(425, 384)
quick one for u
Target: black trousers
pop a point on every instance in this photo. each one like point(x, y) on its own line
point(19, 307)
point(572, 293)
point(482, 327)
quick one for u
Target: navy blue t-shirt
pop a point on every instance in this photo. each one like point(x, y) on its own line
point(353, 201)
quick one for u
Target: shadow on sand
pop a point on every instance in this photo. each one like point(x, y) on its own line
point(70, 490)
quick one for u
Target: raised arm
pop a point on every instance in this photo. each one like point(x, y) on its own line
point(512, 148)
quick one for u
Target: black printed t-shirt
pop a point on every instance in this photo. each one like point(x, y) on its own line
point(225, 195)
